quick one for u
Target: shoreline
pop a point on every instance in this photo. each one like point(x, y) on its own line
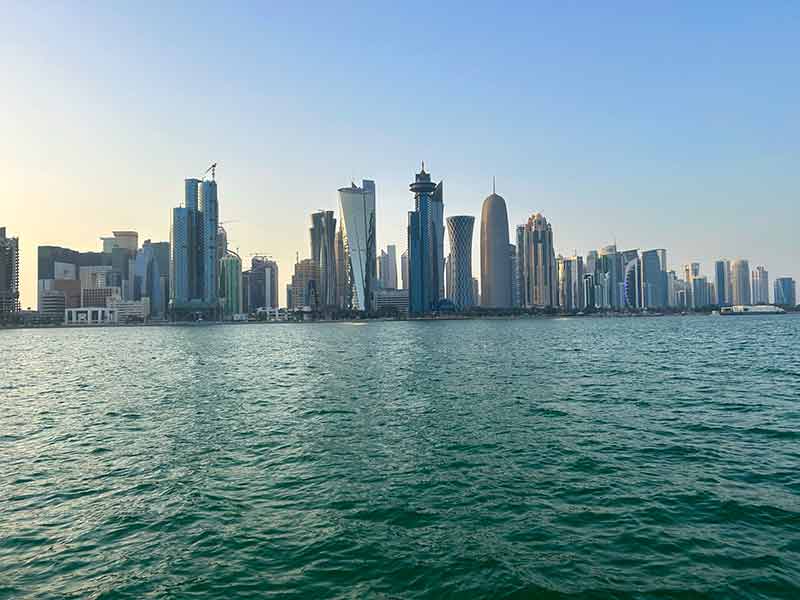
point(368, 320)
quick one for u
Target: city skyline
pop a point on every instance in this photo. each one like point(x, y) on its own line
point(619, 130)
point(196, 189)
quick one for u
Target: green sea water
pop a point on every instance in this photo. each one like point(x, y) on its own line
point(542, 458)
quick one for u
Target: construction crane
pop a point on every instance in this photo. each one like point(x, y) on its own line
point(213, 169)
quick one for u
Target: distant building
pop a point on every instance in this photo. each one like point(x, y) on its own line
point(357, 214)
point(230, 285)
point(760, 286)
point(632, 280)
point(344, 289)
point(426, 245)
point(571, 279)
point(396, 300)
point(9, 276)
point(404, 269)
point(302, 291)
point(496, 286)
point(476, 292)
point(539, 272)
point(609, 278)
point(785, 291)
point(194, 267)
point(52, 304)
point(723, 293)
point(323, 252)
point(387, 268)
point(654, 279)
point(149, 280)
point(459, 286)
point(127, 311)
point(262, 284)
point(740, 283)
point(97, 296)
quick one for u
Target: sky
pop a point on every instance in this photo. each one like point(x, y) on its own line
point(658, 125)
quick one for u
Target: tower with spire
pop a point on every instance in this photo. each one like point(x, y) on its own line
point(426, 245)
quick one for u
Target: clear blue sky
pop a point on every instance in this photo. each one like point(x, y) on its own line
point(674, 125)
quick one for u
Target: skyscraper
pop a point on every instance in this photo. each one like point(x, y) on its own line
point(357, 214)
point(632, 280)
point(149, 281)
point(230, 284)
point(572, 297)
point(496, 285)
point(609, 278)
point(459, 229)
point(404, 269)
point(760, 286)
point(302, 292)
point(344, 290)
point(540, 274)
point(387, 268)
point(323, 253)
point(262, 283)
point(426, 245)
point(740, 283)
point(785, 292)
point(194, 268)
point(9, 275)
point(209, 219)
point(722, 283)
point(654, 278)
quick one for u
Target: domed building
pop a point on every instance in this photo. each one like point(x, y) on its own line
point(495, 255)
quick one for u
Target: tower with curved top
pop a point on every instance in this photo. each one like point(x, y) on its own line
point(495, 257)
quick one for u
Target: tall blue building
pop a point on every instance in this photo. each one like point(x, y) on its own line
point(785, 291)
point(654, 278)
point(194, 268)
point(426, 245)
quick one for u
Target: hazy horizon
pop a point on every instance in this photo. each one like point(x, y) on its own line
point(661, 127)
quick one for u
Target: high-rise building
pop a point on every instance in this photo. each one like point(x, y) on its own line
point(323, 252)
point(404, 269)
point(194, 267)
point(149, 280)
point(700, 292)
point(722, 283)
point(760, 286)
point(654, 278)
point(740, 283)
point(476, 292)
point(571, 278)
point(230, 284)
point(785, 292)
point(459, 229)
point(357, 214)
point(262, 284)
point(425, 245)
point(387, 268)
point(209, 219)
point(222, 243)
point(9, 276)
point(344, 289)
point(609, 276)
point(632, 280)
point(302, 292)
point(515, 289)
point(539, 272)
point(496, 286)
